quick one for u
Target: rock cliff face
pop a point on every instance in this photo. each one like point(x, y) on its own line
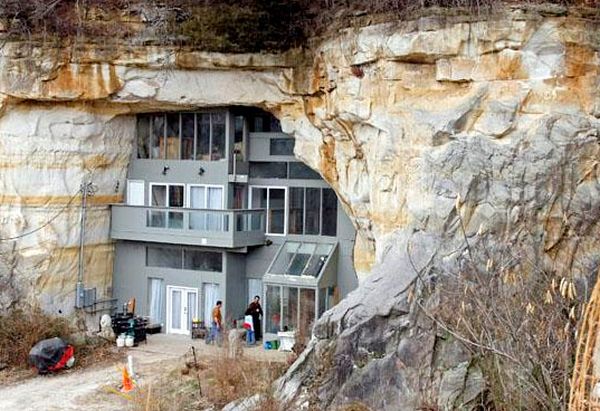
point(432, 132)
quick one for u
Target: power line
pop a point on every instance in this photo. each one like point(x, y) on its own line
point(25, 234)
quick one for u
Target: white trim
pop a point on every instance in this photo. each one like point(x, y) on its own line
point(189, 196)
point(185, 291)
point(285, 211)
point(167, 200)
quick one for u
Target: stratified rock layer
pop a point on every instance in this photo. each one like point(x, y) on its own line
point(421, 127)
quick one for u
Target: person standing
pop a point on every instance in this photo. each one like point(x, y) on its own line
point(217, 324)
point(255, 310)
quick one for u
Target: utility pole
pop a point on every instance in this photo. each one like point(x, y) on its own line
point(86, 189)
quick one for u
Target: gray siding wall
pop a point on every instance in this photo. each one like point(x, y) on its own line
point(131, 277)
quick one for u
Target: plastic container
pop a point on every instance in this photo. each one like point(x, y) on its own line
point(129, 341)
point(121, 341)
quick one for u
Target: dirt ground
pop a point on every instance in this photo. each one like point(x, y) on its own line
point(93, 388)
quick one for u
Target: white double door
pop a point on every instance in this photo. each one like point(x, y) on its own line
point(182, 307)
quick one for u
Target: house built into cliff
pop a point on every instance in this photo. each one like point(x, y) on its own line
point(218, 207)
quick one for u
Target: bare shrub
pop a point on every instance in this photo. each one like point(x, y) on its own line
point(516, 318)
point(22, 329)
point(213, 382)
point(226, 25)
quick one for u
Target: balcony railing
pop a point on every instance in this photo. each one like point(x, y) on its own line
point(217, 228)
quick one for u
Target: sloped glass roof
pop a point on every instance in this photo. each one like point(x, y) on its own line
point(303, 259)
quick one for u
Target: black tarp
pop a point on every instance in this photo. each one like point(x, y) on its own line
point(46, 354)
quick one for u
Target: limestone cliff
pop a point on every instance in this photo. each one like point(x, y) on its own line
point(436, 134)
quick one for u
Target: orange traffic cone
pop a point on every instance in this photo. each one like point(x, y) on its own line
point(127, 382)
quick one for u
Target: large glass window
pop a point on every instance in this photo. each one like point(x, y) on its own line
point(268, 170)
point(296, 210)
point(318, 260)
point(239, 125)
point(172, 137)
point(307, 311)
point(301, 171)
point(281, 147)
point(157, 136)
point(166, 257)
point(185, 136)
point(312, 221)
point(156, 299)
point(290, 308)
point(143, 140)
point(298, 263)
point(186, 258)
point(217, 121)
point(273, 200)
point(312, 211)
point(329, 212)
point(203, 137)
point(166, 195)
point(273, 311)
point(295, 258)
point(203, 260)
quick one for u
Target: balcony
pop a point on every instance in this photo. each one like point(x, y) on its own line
point(201, 227)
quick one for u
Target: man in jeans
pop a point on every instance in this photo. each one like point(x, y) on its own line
point(216, 328)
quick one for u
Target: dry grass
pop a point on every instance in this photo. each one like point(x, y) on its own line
point(22, 329)
point(211, 382)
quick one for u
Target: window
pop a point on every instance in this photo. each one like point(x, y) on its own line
point(268, 170)
point(172, 137)
point(296, 210)
point(273, 199)
point(206, 197)
point(329, 210)
point(156, 298)
point(289, 309)
point(166, 195)
point(166, 257)
point(295, 258)
point(281, 147)
point(301, 171)
point(299, 261)
point(273, 309)
point(188, 128)
point(312, 211)
point(203, 260)
point(182, 136)
point(143, 133)
point(264, 123)
point(184, 258)
point(157, 136)
point(239, 126)
point(312, 222)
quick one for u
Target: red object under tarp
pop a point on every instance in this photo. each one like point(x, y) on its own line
point(63, 360)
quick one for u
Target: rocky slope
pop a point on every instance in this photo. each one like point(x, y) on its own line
point(432, 132)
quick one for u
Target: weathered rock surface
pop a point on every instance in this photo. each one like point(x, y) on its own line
point(414, 124)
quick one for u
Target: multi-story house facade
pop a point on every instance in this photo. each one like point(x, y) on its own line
point(218, 208)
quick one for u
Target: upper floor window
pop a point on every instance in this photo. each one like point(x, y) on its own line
point(312, 211)
point(282, 170)
point(264, 123)
point(182, 136)
point(281, 146)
